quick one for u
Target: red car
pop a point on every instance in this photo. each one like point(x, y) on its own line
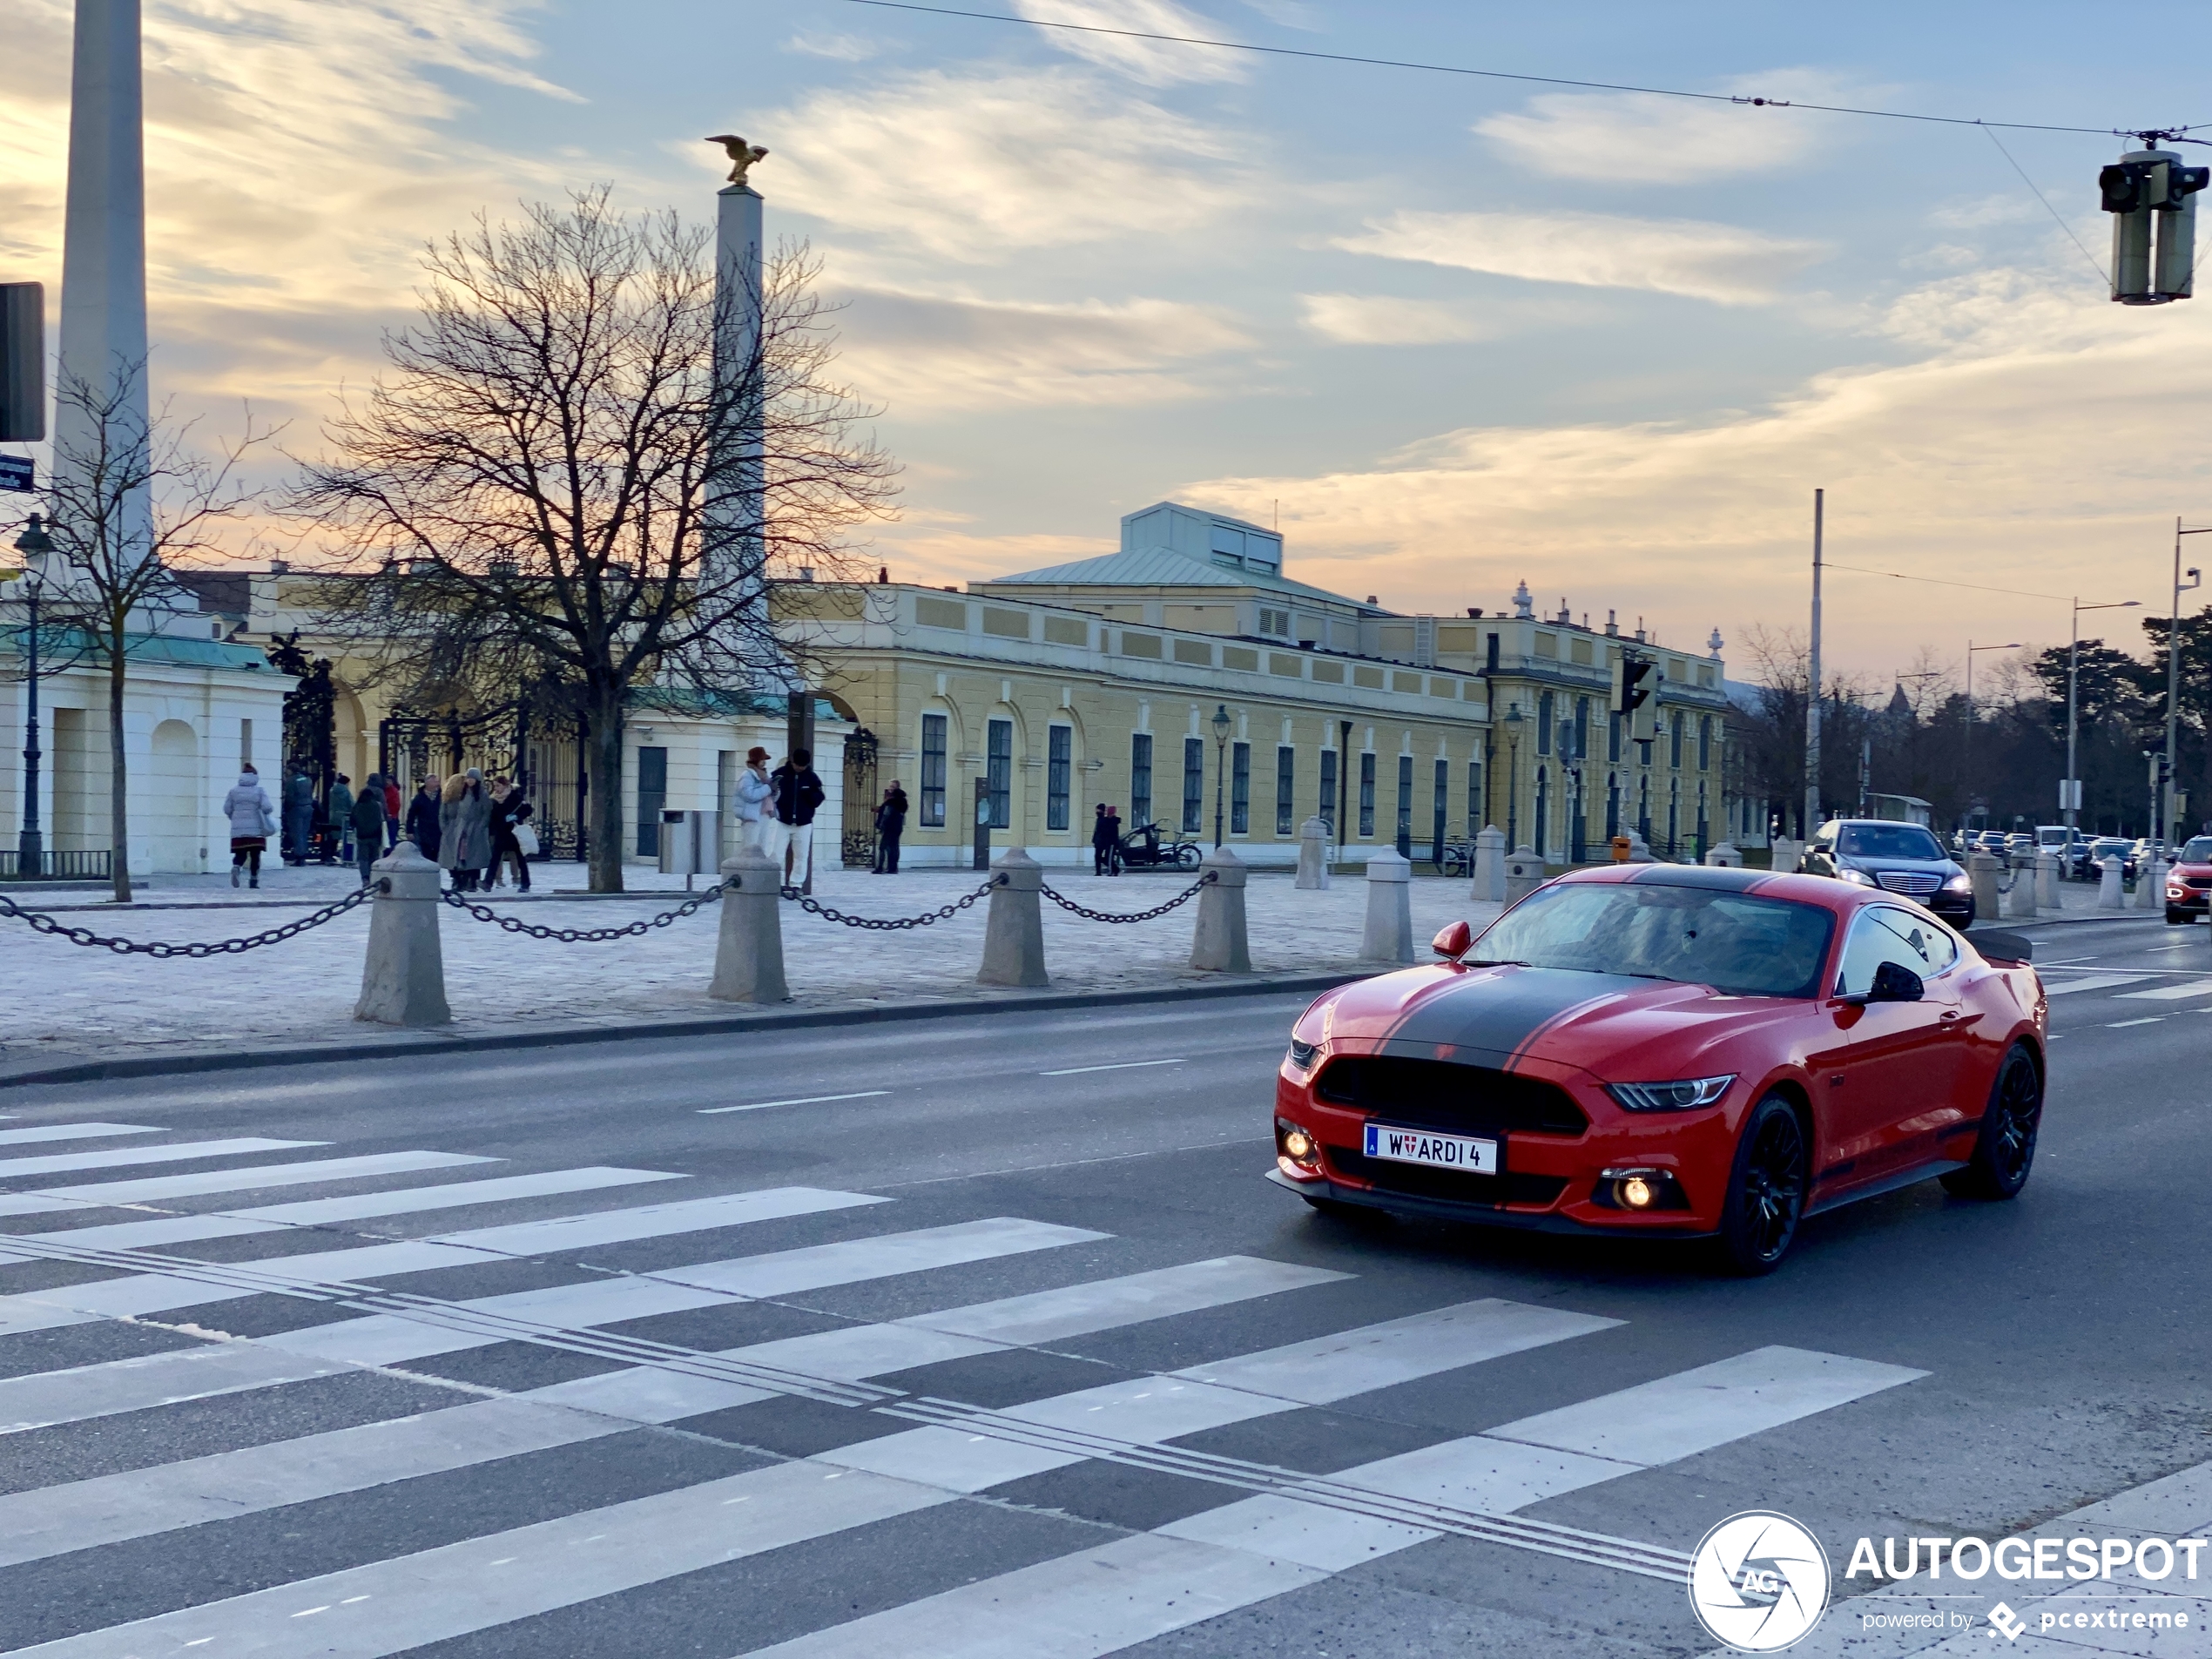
point(1668, 1049)
point(2189, 882)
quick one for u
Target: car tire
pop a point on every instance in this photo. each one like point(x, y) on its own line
point(1766, 1189)
point(2005, 1151)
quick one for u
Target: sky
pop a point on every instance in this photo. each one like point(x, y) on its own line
point(1450, 333)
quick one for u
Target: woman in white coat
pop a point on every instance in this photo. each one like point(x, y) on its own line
point(253, 816)
point(755, 791)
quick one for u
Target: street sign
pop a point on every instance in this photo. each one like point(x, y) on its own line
point(2069, 794)
point(17, 473)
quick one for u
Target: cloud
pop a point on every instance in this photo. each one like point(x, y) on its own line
point(1705, 261)
point(1651, 139)
point(2028, 447)
point(1385, 320)
point(838, 48)
point(973, 167)
point(924, 354)
point(1155, 63)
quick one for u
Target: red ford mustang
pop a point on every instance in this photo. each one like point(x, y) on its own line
point(1663, 1049)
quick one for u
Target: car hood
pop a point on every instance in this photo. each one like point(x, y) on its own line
point(1613, 1025)
point(1872, 863)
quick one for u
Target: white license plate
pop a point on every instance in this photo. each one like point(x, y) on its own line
point(1438, 1151)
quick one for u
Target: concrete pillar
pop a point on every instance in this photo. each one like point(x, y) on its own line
point(2111, 893)
point(1489, 865)
point(1014, 933)
point(1784, 853)
point(1725, 856)
point(1525, 874)
point(1389, 935)
point(749, 949)
point(2150, 885)
point(1983, 867)
point(1220, 943)
point(2047, 879)
point(2020, 903)
point(403, 980)
point(1314, 855)
point(1638, 852)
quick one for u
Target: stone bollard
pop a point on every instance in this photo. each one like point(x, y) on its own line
point(1014, 933)
point(1638, 852)
point(749, 950)
point(1490, 865)
point(1983, 867)
point(2020, 903)
point(1725, 856)
point(2150, 885)
point(1312, 855)
point(1782, 854)
point(1219, 942)
point(1524, 874)
point(2047, 879)
point(1389, 935)
point(403, 981)
point(2112, 893)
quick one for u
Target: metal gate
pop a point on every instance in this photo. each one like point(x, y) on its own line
point(537, 740)
point(859, 799)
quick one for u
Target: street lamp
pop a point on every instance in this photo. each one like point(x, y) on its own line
point(1512, 777)
point(35, 545)
point(1221, 724)
point(1966, 760)
point(2165, 802)
point(2072, 669)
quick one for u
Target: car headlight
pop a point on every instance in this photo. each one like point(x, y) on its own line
point(1304, 1054)
point(1857, 877)
point(1685, 1096)
point(1961, 883)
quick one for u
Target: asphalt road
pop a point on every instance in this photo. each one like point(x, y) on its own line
point(858, 1343)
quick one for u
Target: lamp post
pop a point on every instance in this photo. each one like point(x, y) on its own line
point(2073, 672)
point(35, 545)
point(1966, 760)
point(1512, 777)
point(1221, 724)
point(2165, 804)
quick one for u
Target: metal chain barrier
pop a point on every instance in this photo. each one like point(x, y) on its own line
point(891, 924)
point(1088, 914)
point(40, 923)
point(587, 936)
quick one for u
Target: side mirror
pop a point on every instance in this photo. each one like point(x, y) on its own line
point(1452, 940)
point(1894, 982)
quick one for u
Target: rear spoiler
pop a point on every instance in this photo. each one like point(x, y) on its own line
point(1999, 946)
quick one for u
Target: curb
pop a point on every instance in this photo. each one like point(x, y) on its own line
point(187, 1063)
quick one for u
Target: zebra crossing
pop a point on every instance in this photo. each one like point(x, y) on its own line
point(572, 1326)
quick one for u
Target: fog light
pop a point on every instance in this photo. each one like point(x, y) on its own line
point(1636, 1192)
point(1299, 1145)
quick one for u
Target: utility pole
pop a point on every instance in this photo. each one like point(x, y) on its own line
point(1812, 682)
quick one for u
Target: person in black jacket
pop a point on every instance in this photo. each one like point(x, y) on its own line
point(365, 822)
point(799, 796)
point(890, 824)
point(422, 819)
point(1103, 842)
point(508, 808)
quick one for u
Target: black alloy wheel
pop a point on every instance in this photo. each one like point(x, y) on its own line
point(1766, 1189)
point(2005, 1151)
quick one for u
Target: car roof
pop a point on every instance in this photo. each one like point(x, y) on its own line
point(1805, 890)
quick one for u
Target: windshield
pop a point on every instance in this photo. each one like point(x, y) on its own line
point(2198, 850)
point(1737, 944)
point(1886, 841)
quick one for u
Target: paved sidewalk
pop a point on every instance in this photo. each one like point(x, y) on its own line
point(92, 1003)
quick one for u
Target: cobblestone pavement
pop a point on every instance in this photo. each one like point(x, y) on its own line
point(90, 1001)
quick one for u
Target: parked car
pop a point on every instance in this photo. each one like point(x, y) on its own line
point(1641, 1049)
point(1901, 857)
point(2189, 882)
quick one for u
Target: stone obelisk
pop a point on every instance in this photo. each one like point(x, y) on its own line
point(736, 506)
point(104, 243)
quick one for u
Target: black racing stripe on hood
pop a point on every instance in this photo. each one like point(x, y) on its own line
point(1701, 875)
point(1489, 1018)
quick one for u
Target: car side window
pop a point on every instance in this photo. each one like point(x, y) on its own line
point(1882, 935)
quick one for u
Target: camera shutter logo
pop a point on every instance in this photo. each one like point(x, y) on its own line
point(1758, 1582)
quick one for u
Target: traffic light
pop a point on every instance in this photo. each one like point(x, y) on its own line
point(1629, 693)
point(2152, 198)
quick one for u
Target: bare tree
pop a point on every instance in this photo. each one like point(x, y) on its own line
point(556, 480)
point(129, 499)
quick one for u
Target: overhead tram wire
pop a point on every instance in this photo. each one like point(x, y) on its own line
point(1495, 74)
point(1900, 575)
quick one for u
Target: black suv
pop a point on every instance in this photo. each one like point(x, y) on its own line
point(1899, 858)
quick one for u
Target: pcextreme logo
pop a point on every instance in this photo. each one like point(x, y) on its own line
point(1759, 1582)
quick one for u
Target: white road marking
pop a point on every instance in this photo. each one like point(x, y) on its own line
point(2095, 982)
point(803, 1100)
point(2121, 1025)
point(70, 1132)
point(2169, 993)
point(1124, 1065)
point(156, 1189)
point(177, 1152)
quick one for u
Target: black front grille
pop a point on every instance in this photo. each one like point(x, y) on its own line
point(1438, 1094)
point(1419, 1181)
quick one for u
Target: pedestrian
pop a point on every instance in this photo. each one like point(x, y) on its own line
point(253, 819)
point(509, 817)
point(422, 819)
point(890, 824)
point(464, 829)
point(298, 814)
point(340, 810)
point(754, 796)
point(1102, 842)
point(799, 793)
point(393, 802)
point(1113, 840)
point(367, 826)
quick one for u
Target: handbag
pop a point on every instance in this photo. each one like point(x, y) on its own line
point(526, 839)
point(269, 826)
